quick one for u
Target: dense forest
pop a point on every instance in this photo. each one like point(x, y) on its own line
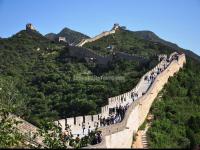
point(177, 113)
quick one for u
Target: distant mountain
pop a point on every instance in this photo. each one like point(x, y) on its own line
point(149, 35)
point(71, 36)
point(192, 54)
point(51, 36)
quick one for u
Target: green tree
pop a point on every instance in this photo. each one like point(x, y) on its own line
point(53, 137)
point(10, 137)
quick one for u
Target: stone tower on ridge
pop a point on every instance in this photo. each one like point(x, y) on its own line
point(29, 26)
point(116, 26)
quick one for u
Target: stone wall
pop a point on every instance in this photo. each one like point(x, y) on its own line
point(83, 53)
point(120, 135)
point(106, 33)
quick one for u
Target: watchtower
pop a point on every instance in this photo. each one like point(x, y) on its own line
point(29, 26)
point(116, 26)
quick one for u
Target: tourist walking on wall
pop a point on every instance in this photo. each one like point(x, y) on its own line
point(101, 121)
point(99, 137)
point(89, 130)
point(104, 121)
point(83, 127)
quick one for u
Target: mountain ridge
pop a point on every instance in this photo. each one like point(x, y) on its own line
point(149, 35)
point(71, 36)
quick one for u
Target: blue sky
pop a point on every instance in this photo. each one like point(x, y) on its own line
point(175, 20)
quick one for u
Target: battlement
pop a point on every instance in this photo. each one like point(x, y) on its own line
point(62, 39)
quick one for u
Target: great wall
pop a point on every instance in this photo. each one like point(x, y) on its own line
point(120, 135)
point(88, 54)
point(106, 33)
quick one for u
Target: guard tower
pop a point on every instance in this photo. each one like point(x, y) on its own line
point(29, 26)
point(63, 39)
point(116, 26)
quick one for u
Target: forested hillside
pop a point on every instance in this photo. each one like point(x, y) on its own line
point(127, 41)
point(177, 113)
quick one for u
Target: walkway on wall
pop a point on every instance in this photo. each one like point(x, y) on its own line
point(143, 88)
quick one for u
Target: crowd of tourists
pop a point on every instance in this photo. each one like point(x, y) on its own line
point(93, 137)
point(97, 138)
point(134, 95)
point(117, 115)
point(152, 76)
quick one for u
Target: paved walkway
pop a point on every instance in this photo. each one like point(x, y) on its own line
point(143, 88)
